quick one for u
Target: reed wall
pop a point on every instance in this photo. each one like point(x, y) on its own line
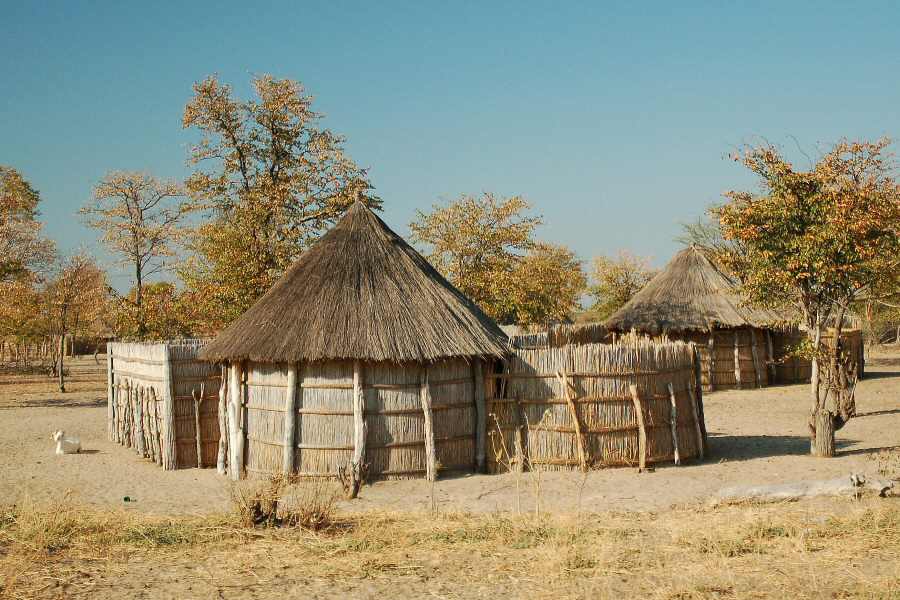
point(731, 359)
point(151, 402)
point(795, 369)
point(393, 414)
point(574, 406)
point(558, 335)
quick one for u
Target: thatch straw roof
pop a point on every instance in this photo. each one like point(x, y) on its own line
point(691, 293)
point(361, 292)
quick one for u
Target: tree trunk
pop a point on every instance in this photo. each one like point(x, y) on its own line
point(814, 390)
point(138, 299)
point(823, 444)
point(62, 353)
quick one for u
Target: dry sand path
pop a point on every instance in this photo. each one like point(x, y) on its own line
point(756, 437)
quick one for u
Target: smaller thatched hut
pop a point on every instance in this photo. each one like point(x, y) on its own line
point(362, 353)
point(692, 299)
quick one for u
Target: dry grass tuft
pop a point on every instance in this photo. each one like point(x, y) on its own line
point(281, 501)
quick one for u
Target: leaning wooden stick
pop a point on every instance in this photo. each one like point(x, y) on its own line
point(582, 453)
point(674, 423)
point(198, 401)
point(642, 430)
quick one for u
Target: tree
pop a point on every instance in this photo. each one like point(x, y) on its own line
point(485, 246)
point(545, 286)
point(163, 316)
point(816, 240)
point(74, 300)
point(23, 250)
point(140, 217)
point(616, 280)
point(270, 178)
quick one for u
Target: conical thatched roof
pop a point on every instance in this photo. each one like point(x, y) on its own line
point(691, 293)
point(361, 292)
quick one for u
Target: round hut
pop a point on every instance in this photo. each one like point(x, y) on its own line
point(363, 356)
point(692, 299)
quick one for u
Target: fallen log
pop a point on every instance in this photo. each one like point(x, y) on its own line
point(853, 485)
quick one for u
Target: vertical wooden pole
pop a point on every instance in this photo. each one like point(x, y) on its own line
point(222, 455)
point(151, 424)
point(737, 361)
point(480, 416)
point(236, 446)
point(110, 396)
point(642, 429)
point(430, 451)
point(198, 402)
point(359, 419)
point(290, 421)
point(579, 437)
point(673, 421)
point(695, 413)
point(771, 363)
point(170, 455)
point(139, 420)
point(712, 360)
point(62, 351)
point(757, 371)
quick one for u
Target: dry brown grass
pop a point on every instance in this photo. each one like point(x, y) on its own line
point(286, 501)
point(827, 549)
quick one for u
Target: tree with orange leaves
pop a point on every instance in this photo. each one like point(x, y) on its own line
point(818, 240)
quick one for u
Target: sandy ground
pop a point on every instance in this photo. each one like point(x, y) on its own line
point(756, 437)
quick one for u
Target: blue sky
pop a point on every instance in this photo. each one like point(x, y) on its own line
point(614, 120)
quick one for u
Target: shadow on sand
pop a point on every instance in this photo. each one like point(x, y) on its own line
point(60, 403)
point(750, 447)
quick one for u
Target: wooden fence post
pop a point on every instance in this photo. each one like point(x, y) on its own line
point(170, 454)
point(290, 421)
point(139, 420)
point(771, 364)
point(430, 451)
point(480, 416)
point(695, 413)
point(737, 361)
point(712, 360)
point(221, 456)
point(198, 402)
point(236, 446)
point(110, 396)
point(642, 429)
point(582, 453)
point(673, 421)
point(757, 371)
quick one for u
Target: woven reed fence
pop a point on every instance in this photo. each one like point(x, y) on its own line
point(154, 404)
point(794, 369)
point(734, 358)
point(593, 405)
point(562, 334)
point(405, 410)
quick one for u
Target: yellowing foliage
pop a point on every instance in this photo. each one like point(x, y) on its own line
point(485, 246)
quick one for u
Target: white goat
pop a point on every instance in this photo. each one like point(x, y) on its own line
point(66, 445)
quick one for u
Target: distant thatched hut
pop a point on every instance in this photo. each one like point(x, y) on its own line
point(361, 353)
point(693, 300)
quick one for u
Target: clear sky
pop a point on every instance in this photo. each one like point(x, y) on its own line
point(615, 121)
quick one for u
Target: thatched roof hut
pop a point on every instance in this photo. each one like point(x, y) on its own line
point(362, 353)
point(690, 294)
point(695, 300)
point(361, 292)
